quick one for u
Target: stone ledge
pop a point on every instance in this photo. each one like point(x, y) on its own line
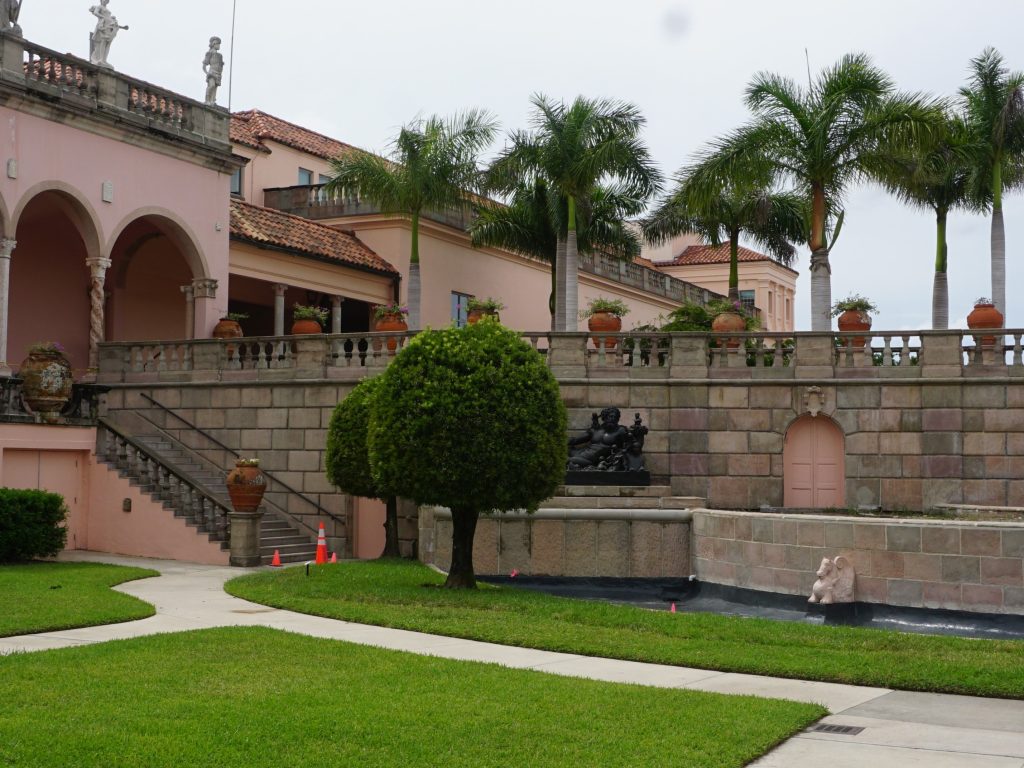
point(625, 515)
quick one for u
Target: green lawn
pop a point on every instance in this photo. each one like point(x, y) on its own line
point(39, 597)
point(394, 594)
point(261, 697)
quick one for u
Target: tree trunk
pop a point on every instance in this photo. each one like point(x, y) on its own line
point(414, 276)
point(999, 262)
point(572, 283)
point(940, 287)
point(391, 548)
point(821, 272)
point(560, 283)
point(821, 291)
point(460, 574)
point(734, 265)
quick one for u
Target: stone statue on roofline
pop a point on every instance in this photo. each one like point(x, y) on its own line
point(213, 68)
point(104, 34)
point(9, 12)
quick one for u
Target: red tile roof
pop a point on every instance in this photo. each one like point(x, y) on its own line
point(646, 263)
point(714, 254)
point(265, 226)
point(252, 127)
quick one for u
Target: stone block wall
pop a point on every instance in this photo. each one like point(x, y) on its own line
point(958, 565)
point(568, 542)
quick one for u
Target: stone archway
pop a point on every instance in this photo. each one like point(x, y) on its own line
point(814, 464)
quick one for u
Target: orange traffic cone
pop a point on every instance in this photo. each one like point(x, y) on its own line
point(334, 557)
point(276, 560)
point(321, 546)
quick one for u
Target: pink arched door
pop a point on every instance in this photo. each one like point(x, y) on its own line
point(814, 464)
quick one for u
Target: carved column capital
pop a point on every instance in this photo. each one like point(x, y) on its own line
point(189, 291)
point(7, 246)
point(98, 264)
point(204, 288)
point(280, 288)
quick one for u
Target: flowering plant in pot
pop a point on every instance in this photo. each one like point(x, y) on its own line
point(480, 307)
point(854, 314)
point(605, 315)
point(985, 315)
point(308, 319)
point(390, 317)
point(229, 326)
point(729, 316)
point(46, 378)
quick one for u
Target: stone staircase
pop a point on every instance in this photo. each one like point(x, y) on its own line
point(194, 489)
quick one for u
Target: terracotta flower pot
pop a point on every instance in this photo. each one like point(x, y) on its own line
point(854, 320)
point(985, 316)
point(47, 382)
point(246, 486)
point(475, 315)
point(303, 327)
point(604, 322)
point(729, 322)
point(227, 329)
point(391, 323)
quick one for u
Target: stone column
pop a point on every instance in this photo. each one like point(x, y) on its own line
point(6, 249)
point(98, 267)
point(279, 289)
point(336, 313)
point(190, 310)
point(204, 291)
point(245, 538)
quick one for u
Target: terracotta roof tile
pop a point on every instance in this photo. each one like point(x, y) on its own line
point(714, 254)
point(252, 127)
point(646, 263)
point(265, 226)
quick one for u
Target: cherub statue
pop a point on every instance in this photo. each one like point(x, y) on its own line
point(835, 582)
point(9, 12)
point(213, 68)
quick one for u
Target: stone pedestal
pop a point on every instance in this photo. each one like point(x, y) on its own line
point(245, 539)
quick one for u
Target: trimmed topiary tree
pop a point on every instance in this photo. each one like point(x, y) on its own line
point(348, 461)
point(471, 419)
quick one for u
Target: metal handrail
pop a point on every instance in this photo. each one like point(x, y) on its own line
point(236, 454)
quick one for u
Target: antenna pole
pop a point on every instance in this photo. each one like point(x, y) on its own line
point(231, 55)
point(807, 57)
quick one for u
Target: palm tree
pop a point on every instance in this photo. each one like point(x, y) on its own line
point(432, 166)
point(574, 149)
point(773, 220)
point(938, 177)
point(994, 101)
point(822, 139)
point(529, 225)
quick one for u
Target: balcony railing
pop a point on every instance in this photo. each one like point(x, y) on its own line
point(314, 202)
point(103, 92)
point(871, 354)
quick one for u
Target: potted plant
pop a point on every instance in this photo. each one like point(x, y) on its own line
point(985, 315)
point(605, 316)
point(308, 319)
point(246, 485)
point(390, 317)
point(478, 308)
point(729, 317)
point(854, 314)
point(47, 378)
point(228, 327)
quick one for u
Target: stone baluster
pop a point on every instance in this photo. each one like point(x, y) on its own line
point(1017, 361)
point(905, 350)
point(122, 454)
point(144, 473)
point(6, 251)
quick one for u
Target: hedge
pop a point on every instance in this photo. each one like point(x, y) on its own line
point(30, 524)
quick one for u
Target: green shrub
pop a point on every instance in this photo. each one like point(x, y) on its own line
point(472, 419)
point(30, 524)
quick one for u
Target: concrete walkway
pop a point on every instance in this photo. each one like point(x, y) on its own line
point(900, 729)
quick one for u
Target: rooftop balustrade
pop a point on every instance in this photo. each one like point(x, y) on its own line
point(640, 355)
point(104, 93)
point(314, 202)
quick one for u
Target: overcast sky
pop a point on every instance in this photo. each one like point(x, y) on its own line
point(358, 71)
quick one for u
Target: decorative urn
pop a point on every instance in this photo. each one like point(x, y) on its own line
point(47, 379)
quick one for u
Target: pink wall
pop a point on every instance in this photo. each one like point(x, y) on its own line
point(62, 460)
point(280, 168)
point(146, 299)
point(58, 155)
